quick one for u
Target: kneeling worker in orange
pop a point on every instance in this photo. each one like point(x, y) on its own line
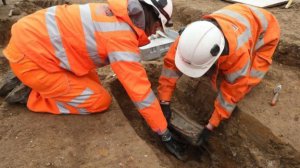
point(55, 52)
point(236, 42)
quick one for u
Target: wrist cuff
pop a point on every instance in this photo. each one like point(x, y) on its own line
point(166, 136)
point(164, 102)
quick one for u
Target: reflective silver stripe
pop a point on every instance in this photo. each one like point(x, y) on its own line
point(89, 33)
point(257, 74)
point(55, 38)
point(146, 102)
point(260, 42)
point(244, 37)
point(111, 26)
point(169, 73)
point(261, 17)
point(227, 106)
point(83, 111)
point(62, 109)
point(123, 56)
point(264, 22)
point(81, 98)
point(240, 73)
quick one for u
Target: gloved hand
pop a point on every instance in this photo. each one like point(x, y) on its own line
point(173, 146)
point(204, 136)
point(166, 110)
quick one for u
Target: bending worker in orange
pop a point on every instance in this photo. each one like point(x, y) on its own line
point(236, 42)
point(55, 52)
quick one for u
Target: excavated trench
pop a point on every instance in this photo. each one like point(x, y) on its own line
point(256, 135)
point(243, 141)
point(206, 156)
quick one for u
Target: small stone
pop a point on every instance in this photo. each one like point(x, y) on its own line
point(145, 155)
point(234, 153)
point(16, 11)
point(103, 152)
point(48, 164)
point(130, 158)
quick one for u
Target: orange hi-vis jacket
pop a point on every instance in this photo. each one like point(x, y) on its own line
point(80, 38)
point(252, 35)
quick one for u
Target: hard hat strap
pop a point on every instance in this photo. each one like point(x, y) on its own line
point(161, 10)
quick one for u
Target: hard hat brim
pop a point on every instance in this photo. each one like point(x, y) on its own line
point(188, 69)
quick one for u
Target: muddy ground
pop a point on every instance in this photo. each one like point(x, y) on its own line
point(257, 135)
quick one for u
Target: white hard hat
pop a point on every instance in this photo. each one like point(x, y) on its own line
point(199, 46)
point(164, 9)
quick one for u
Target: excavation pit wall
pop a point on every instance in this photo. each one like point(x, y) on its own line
point(242, 141)
point(257, 134)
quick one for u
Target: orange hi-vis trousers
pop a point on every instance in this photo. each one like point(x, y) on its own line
point(61, 92)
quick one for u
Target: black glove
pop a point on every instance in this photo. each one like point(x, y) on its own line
point(167, 111)
point(173, 146)
point(204, 136)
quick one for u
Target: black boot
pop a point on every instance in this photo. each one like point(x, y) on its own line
point(19, 94)
point(173, 146)
point(8, 82)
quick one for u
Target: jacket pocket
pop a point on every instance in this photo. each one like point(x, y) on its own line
point(12, 53)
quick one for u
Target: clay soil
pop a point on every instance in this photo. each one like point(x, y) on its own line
point(257, 135)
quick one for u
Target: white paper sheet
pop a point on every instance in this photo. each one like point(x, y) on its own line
point(260, 3)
